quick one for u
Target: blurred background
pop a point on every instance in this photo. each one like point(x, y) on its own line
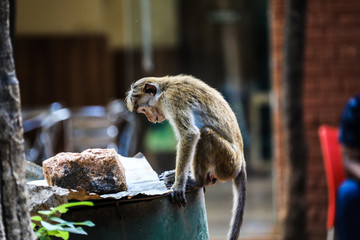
point(75, 60)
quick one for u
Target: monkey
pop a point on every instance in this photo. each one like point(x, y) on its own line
point(210, 144)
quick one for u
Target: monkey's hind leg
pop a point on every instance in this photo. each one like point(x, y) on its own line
point(202, 168)
point(225, 160)
point(168, 177)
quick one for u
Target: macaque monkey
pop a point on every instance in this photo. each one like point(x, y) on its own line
point(209, 138)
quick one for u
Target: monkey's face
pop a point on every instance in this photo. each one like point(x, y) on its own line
point(143, 98)
point(152, 113)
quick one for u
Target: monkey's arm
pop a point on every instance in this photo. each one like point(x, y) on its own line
point(188, 138)
point(185, 153)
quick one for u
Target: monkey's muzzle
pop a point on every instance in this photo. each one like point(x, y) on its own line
point(151, 113)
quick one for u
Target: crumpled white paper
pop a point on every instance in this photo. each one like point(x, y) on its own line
point(140, 179)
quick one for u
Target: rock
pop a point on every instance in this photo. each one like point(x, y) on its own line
point(94, 170)
point(45, 197)
point(33, 171)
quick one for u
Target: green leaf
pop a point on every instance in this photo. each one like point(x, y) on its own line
point(83, 203)
point(58, 220)
point(77, 230)
point(44, 237)
point(64, 207)
point(63, 234)
point(36, 218)
point(42, 230)
point(71, 224)
point(53, 233)
point(86, 223)
point(63, 227)
point(51, 227)
point(45, 212)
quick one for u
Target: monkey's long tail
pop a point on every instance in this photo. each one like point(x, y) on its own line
point(239, 191)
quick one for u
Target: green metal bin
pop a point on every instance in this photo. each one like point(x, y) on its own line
point(152, 218)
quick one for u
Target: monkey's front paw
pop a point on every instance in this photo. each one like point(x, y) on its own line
point(178, 197)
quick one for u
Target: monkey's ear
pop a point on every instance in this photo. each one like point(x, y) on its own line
point(150, 89)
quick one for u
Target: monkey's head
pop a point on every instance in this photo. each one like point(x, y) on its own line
point(143, 98)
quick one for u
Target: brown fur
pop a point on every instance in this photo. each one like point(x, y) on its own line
point(209, 138)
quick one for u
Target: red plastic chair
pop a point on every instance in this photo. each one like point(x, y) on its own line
point(334, 169)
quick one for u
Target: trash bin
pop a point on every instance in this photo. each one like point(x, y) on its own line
point(152, 218)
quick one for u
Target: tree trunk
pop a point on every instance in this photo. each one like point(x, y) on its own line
point(296, 151)
point(14, 214)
